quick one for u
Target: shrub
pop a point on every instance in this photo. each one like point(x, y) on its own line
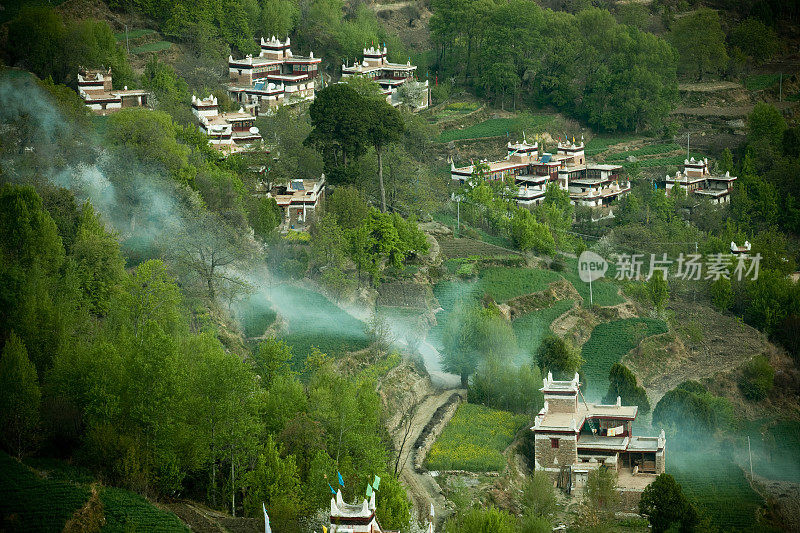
point(467, 270)
point(757, 379)
point(722, 294)
point(623, 384)
point(508, 388)
point(691, 408)
point(478, 520)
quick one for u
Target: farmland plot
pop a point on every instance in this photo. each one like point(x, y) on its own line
point(604, 291)
point(609, 342)
point(531, 328)
point(718, 487)
point(474, 440)
point(127, 511)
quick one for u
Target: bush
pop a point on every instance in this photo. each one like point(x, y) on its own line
point(508, 388)
point(467, 270)
point(691, 408)
point(722, 294)
point(478, 520)
point(757, 379)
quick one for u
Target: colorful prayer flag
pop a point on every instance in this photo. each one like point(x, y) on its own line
point(376, 483)
point(369, 491)
point(341, 481)
point(332, 491)
point(267, 528)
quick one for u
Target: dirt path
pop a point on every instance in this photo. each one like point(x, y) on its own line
point(421, 486)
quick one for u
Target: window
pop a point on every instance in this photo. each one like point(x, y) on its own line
point(554, 443)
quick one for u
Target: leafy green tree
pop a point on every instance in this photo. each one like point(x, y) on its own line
point(349, 207)
point(274, 482)
point(700, 42)
point(757, 379)
point(622, 383)
point(528, 234)
point(601, 489)
point(538, 497)
point(658, 290)
point(765, 122)
point(394, 506)
point(328, 245)
point(559, 356)
point(690, 408)
point(385, 126)
point(150, 136)
point(272, 359)
point(502, 386)
point(19, 398)
point(665, 505)
point(171, 92)
point(339, 130)
point(264, 216)
point(722, 294)
point(754, 39)
point(726, 161)
point(278, 17)
point(99, 261)
point(35, 38)
point(472, 335)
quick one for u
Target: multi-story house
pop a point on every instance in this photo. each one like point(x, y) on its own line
point(573, 437)
point(275, 77)
point(227, 132)
point(589, 184)
point(697, 179)
point(94, 86)
point(389, 76)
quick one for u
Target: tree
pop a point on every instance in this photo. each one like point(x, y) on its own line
point(757, 379)
point(385, 126)
point(19, 397)
point(338, 126)
point(665, 505)
point(726, 161)
point(700, 42)
point(274, 482)
point(622, 383)
point(472, 335)
point(558, 356)
point(722, 294)
point(601, 489)
point(658, 290)
point(264, 216)
point(272, 359)
point(538, 497)
point(755, 39)
point(765, 122)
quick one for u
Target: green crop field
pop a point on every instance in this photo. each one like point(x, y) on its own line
point(316, 321)
point(718, 487)
point(31, 503)
point(653, 149)
point(775, 449)
point(601, 143)
point(133, 34)
point(503, 283)
point(673, 160)
point(531, 328)
point(127, 511)
point(474, 440)
point(759, 82)
point(151, 47)
point(604, 291)
point(499, 127)
point(608, 343)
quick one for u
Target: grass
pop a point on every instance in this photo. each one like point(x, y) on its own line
point(134, 34)
point(718, 487)
point(673, 160)
point(127, 511)
point(151, 47)
point(531, 328)
point(608, 343)
point(504, 283)
point(604, 291)
point(499, 127)
point(759, 82)
point(316, 321)
point(31, 503)
point(474, 440)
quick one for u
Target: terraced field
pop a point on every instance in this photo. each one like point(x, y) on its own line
point(499, 127)
point(718, 487)
point(474, 440)
point(608, 343)
point(531, 328)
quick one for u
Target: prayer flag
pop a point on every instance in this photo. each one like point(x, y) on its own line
point(341, 481)
point(267, 529)
point(376, 483)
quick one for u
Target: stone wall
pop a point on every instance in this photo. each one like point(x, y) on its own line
point(566, 453)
